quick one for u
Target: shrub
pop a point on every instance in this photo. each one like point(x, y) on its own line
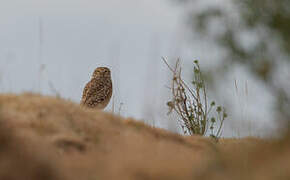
point(196, 115)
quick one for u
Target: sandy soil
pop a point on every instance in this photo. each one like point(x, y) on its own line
point(49, 138)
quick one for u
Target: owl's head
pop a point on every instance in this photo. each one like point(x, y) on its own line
point(102, 72)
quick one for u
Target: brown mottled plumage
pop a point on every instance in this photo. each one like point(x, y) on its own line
point(97, 93)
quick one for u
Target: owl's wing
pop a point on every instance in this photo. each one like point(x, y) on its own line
point(94, 92)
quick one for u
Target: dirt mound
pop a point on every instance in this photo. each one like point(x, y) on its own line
point(58, 139)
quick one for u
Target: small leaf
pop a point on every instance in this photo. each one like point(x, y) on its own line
point(170, 104)
point(191, 118)
point(225, 115)
point(200, 85)
point(219, 109)
point(212, 136)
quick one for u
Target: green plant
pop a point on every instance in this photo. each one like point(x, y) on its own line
point(191, 104)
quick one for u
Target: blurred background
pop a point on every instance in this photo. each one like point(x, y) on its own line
point(52, 47)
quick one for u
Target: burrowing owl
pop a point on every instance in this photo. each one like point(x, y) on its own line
point(97, 93)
